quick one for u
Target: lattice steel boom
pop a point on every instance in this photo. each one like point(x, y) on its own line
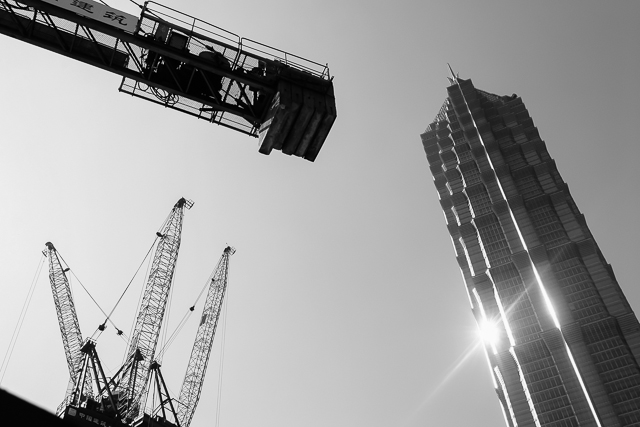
point(143, 342)
point(194, 378)
point(67, 319)
point(180, 62)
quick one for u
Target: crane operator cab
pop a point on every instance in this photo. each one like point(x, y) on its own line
point(202, 70)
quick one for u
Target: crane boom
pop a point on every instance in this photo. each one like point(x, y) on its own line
point(183, 63)
point(143, 342)
point(194, 378)
point(67, 319)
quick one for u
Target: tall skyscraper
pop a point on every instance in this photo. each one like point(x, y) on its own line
point(561, 339)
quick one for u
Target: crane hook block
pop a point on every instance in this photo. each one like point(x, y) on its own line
point(185, 64)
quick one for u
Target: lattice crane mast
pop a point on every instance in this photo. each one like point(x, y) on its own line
point(194, 378)
point(68, 323)
point(132, 386)
point(183, 63)
point(120, 400)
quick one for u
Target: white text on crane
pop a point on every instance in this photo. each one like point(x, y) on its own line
point(99, 12)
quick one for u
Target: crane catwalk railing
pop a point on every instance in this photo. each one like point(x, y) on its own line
point(182, 63)
point(203, 33)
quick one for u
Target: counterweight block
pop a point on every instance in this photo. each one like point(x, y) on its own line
point(298, 119)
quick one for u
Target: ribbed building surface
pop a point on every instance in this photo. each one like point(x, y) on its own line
point(568, 343)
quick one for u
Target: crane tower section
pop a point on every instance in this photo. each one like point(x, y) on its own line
point(67, 320)
point(194, 378)
point(144, 340)
point(183, 63)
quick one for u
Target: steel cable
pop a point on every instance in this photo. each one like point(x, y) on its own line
point(21, 317)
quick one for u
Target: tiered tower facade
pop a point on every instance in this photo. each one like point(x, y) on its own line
point(567, 345)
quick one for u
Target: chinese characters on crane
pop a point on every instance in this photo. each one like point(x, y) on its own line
point(99, 12)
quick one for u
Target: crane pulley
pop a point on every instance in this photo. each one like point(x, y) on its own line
point(183, 63)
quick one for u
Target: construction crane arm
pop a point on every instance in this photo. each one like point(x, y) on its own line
point(194, 377)
point(144, 340)
point(183, 63)
point(67, 319)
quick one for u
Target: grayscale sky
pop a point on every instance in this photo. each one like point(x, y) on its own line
point(346, 306)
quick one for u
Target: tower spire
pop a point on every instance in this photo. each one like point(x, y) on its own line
point(454, 77)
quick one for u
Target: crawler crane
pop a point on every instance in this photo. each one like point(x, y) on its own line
point(67, 320)
point(175, 60)
point(119, 400)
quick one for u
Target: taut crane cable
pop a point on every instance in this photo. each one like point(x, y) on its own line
point(151, 388)
point(185, 318)
point(158, 236)
point(140, 296)
point(221, 368)
point(174, 334)
point(23, 313)
point(105, 3)
point(108, 316)
point(87, 291)
point(128, 285)
point(165, 321)
point(137, 4)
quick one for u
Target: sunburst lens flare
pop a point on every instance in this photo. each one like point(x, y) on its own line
point(490, 334)
point(454, 369)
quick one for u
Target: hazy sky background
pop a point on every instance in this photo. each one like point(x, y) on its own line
point(346, 306)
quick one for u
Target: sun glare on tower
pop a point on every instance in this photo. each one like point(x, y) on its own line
point(490, 334)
